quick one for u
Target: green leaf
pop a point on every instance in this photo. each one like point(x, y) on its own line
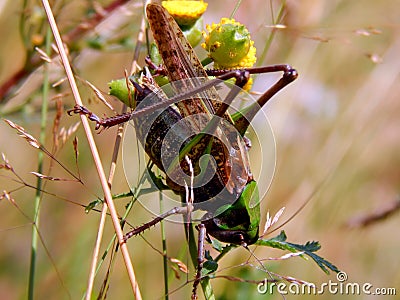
point(225, 250)
point(209, 266)
point(281, 237)
point(207, 255)
point(308, 248)
point(217, 245)
point(92, 205)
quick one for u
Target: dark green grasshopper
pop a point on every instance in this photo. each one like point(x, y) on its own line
point(230, 194)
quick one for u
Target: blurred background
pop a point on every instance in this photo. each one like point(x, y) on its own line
point(336, 129)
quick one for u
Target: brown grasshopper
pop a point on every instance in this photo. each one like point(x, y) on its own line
point(200, 98)
point(198, 123)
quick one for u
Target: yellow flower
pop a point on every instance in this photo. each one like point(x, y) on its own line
point(185, 13)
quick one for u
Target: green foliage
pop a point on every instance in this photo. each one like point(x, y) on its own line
point(308, 248)
point(210, 265)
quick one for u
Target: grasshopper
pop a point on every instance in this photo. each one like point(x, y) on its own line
point(199, 124)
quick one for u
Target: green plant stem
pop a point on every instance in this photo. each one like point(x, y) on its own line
point(42, 139)
point(272, 35)
point(164, 248)
point(235, 9)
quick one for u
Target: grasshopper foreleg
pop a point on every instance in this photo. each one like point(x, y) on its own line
point(141, 93)
point(101, 122)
